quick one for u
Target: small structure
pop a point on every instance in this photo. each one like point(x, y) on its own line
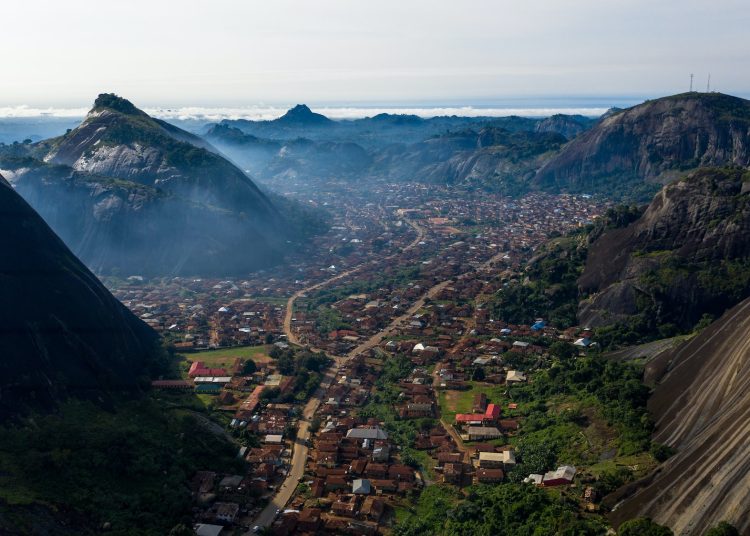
point(361, 486)
point(479, 433)
point(372, 433)
point(515, 376)
point(561, 476)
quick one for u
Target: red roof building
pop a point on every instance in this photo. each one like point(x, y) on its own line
point(198, 368)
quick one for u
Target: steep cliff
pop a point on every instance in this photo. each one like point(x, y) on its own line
point(61, 332)
point(701, 405)
point(684, 257)
point(654, 143)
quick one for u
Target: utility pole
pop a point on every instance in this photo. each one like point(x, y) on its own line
point(691, 82)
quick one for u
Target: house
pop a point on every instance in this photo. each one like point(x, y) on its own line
point(480, 403)
point(534, 479)
point(491, 413)
point(335, 482)
point(491, 460)
point(508, 425)
point(453, 473)
point(225, 512)
point(515, 376)
point(361, 486)
point(381, 453)
point(372, 508)
point(369, 432)
point(171, 384)
point(204, 529)
point(384, 485)
point(309, 520)
point(449, 457)
point(401, 472)
point(479, 433)
point(561, 476)
point(346, 506)
point(198, 368)
point(489, 476)
point(208, 389)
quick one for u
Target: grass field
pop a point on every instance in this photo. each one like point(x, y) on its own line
point(224, 357)
point(452, 402)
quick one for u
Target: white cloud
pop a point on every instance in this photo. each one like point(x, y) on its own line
point(334, 112)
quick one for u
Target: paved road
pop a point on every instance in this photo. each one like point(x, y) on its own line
point(299, 451)
point(289, 313)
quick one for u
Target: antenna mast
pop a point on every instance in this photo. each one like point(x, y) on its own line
point(691, 82)
point(708, 84)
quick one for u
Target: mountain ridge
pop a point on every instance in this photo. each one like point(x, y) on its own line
point(133, 194)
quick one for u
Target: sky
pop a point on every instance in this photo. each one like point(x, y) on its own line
point(161, 53)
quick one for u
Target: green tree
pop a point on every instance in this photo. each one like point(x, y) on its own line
point(249, 367)
point(643, 526)
point(723, 529)
point(661, 452)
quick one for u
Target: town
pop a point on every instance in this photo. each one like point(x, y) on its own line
point(370, 367)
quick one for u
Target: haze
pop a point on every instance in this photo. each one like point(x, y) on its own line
point(235, 52)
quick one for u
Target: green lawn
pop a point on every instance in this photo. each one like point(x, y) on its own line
point(641, 464)
point(224, 357)
point(452, 402)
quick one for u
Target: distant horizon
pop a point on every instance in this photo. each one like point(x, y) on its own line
point(525, 106)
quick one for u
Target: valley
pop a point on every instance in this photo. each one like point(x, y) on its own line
point(436, 322)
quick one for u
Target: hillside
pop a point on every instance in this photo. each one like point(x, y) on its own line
point(491, 157)
point(652, 143)
point(701, 405)
point(289, 158)
point(683, 258)
point(501, 153)
point(130, 194)
point(63, 333)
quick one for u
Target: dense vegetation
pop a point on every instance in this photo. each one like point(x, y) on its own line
point(550, 289)
point(381, 407)
point(506, 510)
point(305, 366)
point(128, 467)
point(615, 389)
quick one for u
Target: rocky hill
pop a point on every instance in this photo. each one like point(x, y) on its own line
point(653, 143)
point(301, 115)
point(132, 194)
point(683, 258)
point(300, 157)
point(483, 150)
point(490, 157)
point(61, 332)
point(701, 405)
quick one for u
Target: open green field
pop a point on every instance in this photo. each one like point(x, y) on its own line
point(225, 357)
point(452, 402)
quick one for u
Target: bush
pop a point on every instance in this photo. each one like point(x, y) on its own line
point(723, 529)
point(643, 526)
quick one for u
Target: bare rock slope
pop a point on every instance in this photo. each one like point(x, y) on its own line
point(701, 404)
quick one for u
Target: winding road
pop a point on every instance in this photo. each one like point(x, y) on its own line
point(300, 449)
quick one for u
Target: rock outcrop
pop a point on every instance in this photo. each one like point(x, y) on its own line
point(61, 332)
point(671, 258)
point(701, 405)
point(131, 194)
point(653, 142)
